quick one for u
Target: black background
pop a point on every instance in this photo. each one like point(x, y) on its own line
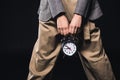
point(18, 30)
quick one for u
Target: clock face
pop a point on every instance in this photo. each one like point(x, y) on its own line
point(69, 48)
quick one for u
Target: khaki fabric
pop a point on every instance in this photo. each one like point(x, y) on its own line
point(47, 47)
point(69, 6)
point(45, 51)
point(93, 57)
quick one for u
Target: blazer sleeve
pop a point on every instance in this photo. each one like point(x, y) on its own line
point(81, 7)
point(92, 7)
point(56, 7)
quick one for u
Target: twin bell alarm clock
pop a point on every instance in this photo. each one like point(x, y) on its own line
point(71, 44)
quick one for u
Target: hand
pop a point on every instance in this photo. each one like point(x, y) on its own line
point(75, 23)
point(62, 25)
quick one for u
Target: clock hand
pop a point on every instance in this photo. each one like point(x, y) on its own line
point(68, 47)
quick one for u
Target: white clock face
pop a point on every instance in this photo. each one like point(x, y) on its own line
point(69, 48)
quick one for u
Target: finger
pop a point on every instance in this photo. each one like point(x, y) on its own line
point(75, 29)
point(71, 29)
point(61, 31)
point(65, 30)
point(58, 29)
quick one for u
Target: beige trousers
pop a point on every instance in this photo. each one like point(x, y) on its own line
point(92, 55)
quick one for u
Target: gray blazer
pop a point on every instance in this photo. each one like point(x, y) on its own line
point(51, 8)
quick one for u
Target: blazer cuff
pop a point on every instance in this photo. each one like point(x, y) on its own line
point(56, 7)
point(81, 7)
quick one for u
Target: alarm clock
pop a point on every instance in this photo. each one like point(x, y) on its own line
point(69, 48)
point(70, 45)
